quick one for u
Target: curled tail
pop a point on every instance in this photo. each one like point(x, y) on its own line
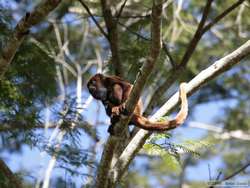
point(144, 123)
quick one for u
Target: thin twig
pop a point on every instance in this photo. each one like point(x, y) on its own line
point(94, 20)
point(231, 175)
point(133, 32)
point(165, 48)
point(120, 11)
point(221, 16)
point(209, 171)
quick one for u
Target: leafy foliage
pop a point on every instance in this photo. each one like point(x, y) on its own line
point(35, 82)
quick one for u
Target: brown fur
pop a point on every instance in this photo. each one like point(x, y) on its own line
point(114, 92)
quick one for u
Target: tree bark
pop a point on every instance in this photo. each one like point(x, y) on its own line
point(202, 78)
point(13, 181)
point(104, 177)
point(180, 68)
point(22, 29)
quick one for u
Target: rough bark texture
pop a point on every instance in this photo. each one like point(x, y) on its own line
point(13, 181)
point(22, 29)
point(147, 67)
point(104, 176)
point(112, 36)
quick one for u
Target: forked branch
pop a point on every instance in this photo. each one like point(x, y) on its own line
point(202, 78)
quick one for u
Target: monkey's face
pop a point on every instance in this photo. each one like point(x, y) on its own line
point(96, 87)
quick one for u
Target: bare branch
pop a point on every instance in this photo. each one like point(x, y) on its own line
point(178, 70)
point(151, 59)
point(219, 133)
point(105, 164)
point(22, 29)
point(202, 78)
point(175, 72)
point(231, 175)
point(197, 36)
point(133, 32)
point(222, 15)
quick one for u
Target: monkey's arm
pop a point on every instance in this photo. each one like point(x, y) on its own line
point(121, 93)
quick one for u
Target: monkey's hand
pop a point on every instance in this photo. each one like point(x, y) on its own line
point(115, 117)
point(117, 110)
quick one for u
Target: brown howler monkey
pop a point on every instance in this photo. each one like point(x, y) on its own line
point(113, 92)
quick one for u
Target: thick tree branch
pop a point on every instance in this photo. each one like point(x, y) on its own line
point(175, 72)
point(202, 78)
point(148, 66)
point(178, 70)
point(5, 172)
point(105, 163)
point(112, 36)
point(108, 151)
point(103, 175)
point(143, 74)
point(22, 29)
point(197, 36)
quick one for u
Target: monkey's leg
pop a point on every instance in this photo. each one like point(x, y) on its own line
point(114, 119)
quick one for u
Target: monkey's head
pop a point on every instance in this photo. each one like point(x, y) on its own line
point(97, 88)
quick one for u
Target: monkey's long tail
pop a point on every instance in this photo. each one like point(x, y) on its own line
point(144, 123)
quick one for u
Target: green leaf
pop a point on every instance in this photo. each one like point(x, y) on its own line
point(171, 162)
